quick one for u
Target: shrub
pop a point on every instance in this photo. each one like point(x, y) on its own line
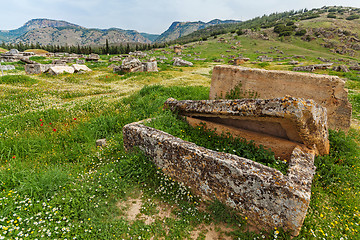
point(331, 15)
point(301, 32)
point(352, 17)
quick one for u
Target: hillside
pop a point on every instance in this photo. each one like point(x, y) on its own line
point(179, 29)
point(289, 25)
point(46, 31)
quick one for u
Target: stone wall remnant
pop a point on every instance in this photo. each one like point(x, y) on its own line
point(326, 90)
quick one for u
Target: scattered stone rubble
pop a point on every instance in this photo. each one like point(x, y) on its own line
point(131, 64)
point(311, 68)
point(14, 55)
point(138, 54)
point(355, 67)
point(341, 68)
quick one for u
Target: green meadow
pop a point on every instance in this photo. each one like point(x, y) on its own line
point(56, 184)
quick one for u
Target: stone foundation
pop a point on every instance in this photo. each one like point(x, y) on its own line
point(326, 90)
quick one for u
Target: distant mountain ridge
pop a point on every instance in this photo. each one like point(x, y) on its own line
point(180, 29)
point(57, 32)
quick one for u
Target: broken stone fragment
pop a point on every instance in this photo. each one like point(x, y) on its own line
point(60, 69)
point(78, 68)
point(181, 62)
point(101, 142)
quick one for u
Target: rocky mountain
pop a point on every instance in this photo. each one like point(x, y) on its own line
point(179, 29)
point(46, 31)
point(80, 36)
point(9, 35)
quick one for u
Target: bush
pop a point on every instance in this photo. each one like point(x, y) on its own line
point(301, 32)
point(331, 15)
point(283, 30)
point(352, 17)
point(239, 32)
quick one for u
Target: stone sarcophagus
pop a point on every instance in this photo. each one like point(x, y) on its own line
point(263, 194)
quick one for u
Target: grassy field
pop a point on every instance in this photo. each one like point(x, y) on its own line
point(56, 184)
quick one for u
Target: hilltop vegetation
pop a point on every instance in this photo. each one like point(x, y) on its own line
point(288, 19)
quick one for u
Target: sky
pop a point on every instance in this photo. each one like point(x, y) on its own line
point(150, 16)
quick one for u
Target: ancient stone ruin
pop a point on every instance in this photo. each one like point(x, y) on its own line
point(14, 55)
point(263, 194)
point(290, 116)
point(326, 90)
point(92, 57)
point(55, 69)
point(182, 62)
point(131, 64)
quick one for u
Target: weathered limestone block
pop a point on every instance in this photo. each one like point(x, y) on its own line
point(150, 66)
point(181, 62)
point(297, 120)
point(266, 196)
point(326, 90)
point(60, 69)
point(78, 68)
point(37, 68)
point(92, 58)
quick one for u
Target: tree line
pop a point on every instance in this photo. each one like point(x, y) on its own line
point(121, 48)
